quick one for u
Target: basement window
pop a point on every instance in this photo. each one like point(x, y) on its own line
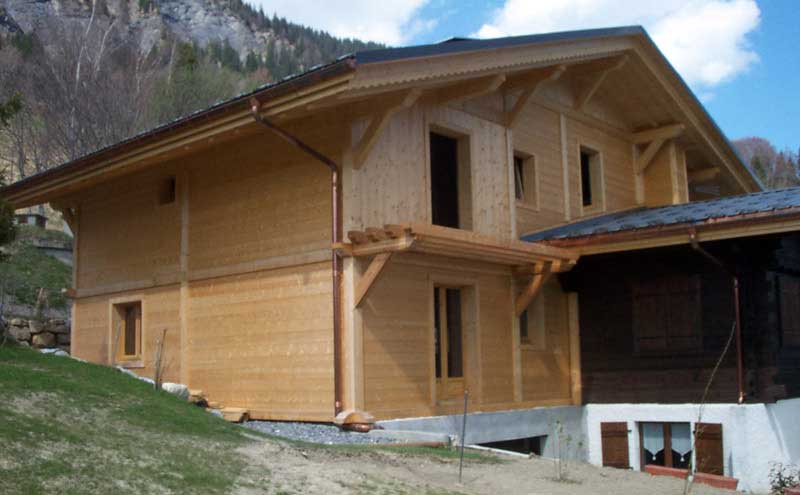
point(666, 444)
point(591, 179)
point(166, 191)
point(530, 445)
point(451, 196)
point(128, 327)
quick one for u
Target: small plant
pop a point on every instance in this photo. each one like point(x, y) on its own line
point(562, 445)
point(783, 476)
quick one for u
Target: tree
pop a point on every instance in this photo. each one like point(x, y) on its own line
point(8, 109)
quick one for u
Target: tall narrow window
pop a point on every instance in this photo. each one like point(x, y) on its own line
point(525, 179)
point(129, 327)
point(519, 177)
point(450, 181)
point(586, 177)
point(532, 331)
point(166, 193)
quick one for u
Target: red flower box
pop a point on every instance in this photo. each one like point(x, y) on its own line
point(665, 471)
point(725, 482)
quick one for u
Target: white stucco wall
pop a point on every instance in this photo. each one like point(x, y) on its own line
point(753, 435)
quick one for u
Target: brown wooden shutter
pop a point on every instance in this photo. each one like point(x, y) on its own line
point(615, 444)
point(708, 448)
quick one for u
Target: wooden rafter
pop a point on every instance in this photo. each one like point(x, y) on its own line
point(598, 78)
point(704, 174)
point(664, 132)
point(374, 270)
point(378, 123)
point(534, 82)
point(471, 89)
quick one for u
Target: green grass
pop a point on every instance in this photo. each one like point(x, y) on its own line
point(27, 269)
point(70, 427)
point(84, 428)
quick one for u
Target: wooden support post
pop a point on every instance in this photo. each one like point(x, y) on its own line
point(370, 276)
point(599, 76)
point(184, 277)
point(378, 123)
point(534, 82)
point(529, 293)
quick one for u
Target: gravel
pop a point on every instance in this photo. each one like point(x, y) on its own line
point(315, 433)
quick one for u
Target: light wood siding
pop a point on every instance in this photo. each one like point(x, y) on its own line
point(545, 373)
point(126, 236)
point(263, 341)
point(91, 339)
point(658, 185)
point(393, 184)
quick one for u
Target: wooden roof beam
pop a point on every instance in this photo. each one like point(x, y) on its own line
point(367, 281)
point(666, 132)
point(704, 174)
point(599, 77)
point(644, 159)
point(531, 85)
point(378, 124)
point(471, 89)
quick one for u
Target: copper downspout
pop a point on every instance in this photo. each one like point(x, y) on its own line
point(736, 308)
point(336, 235)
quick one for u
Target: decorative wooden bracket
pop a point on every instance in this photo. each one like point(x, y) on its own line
point(534, 82)
point(68, 213)
point(541, 274)
point(599, 76)
point(656, 139)
point(471, 89)
point(374, 270)
point(378, 123)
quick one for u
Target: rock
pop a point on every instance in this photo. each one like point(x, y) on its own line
point(54, 351)
point(65, 348)
point(35, 326)
point(215, 412)
point(23, 344)
point(18, 322)
point(20, 334)
point(235, 414)
point(44, 339)
point(176, 389)
point(60, 329)
point(62, 338)
point(134, 375)
point(58, 322)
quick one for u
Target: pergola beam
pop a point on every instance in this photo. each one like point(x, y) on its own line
point(666, 132)
point(704, 174)
point(643, 161)
point(542, 273)
point(374, 270)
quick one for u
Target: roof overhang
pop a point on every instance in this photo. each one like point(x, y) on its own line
point(715, 229)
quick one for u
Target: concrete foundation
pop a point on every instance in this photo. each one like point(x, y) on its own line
point(754, 435)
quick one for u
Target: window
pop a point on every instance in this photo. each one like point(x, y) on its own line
point(789, 309)
point(525, 179)
point(666, 444)
point(532, 332)
point(447, 332)
point(591, 179)
point(128, 324)
point(667, 314)
point(166, 193)
point(451, 204)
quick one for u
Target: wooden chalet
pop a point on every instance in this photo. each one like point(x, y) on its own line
point(347, 241)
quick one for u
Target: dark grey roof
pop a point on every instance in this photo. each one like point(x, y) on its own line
point(459, 45)
point(689, 213)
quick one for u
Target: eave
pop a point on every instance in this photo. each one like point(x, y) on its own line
point(749, 225)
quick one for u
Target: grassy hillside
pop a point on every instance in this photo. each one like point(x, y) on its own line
point(69, 427)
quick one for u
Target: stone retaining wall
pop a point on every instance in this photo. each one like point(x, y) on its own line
point(48, 333)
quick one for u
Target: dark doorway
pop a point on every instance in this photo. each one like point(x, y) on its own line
point(444, 180)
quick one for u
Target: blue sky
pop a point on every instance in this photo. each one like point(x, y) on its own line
point(741, 57)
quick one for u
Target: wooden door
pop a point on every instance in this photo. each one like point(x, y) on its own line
point(614, 437)
point(448, 342)
point(708, 448)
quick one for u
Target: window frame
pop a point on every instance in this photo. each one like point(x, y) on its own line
point(530, 180)
point(116, 340)
point(597, 182)
point(465, 153)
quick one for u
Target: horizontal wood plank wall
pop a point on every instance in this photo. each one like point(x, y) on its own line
point(263, 341)
point(126, 235)
point(495, 331)
point(161, 306)
point(545, 373)
point(658, 183)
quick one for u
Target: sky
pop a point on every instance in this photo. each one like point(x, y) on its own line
point(741, 57)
